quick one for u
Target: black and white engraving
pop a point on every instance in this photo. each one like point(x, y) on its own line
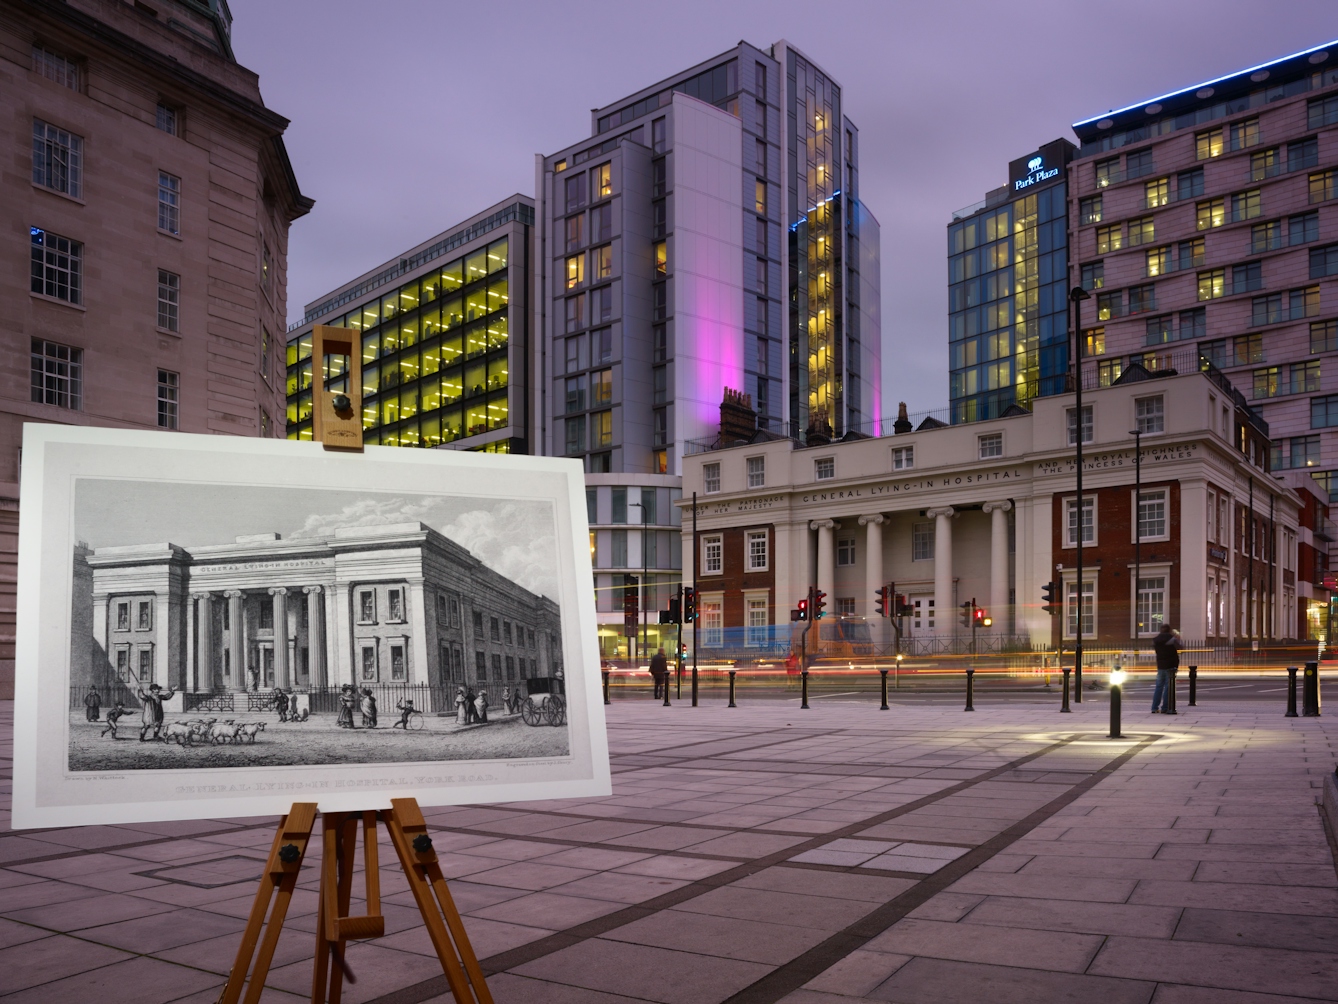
point(245, 626)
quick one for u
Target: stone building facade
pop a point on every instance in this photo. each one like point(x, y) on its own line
point(146, 210)
point(987, 512)
point(392, 604)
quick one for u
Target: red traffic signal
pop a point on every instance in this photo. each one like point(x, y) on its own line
point(978, 616)
point(802, 610)
point(689, 605)
point(884, 596)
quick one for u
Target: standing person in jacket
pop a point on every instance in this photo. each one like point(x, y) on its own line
point(1167, 646)
point(152, 715)
point(659, 671)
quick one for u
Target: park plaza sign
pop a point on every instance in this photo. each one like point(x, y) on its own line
point(1037, 173)
point(1066, 465)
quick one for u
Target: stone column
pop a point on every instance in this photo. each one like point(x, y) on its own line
point(236, 641)
point(826, 571)
point(201, 638)
point(280, 601)
point(341, 637)
point(998, 609)
point(945, 612)
point(315, 637)
point(873, 561)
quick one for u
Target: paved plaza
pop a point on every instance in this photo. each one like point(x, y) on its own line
point(766, 853)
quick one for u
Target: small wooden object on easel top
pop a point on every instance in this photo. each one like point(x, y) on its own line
point(336, 415)
point(337, 424)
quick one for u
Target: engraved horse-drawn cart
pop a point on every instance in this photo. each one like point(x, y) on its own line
point(545, 703)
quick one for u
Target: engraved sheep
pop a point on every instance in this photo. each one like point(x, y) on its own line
point(249, 730)
point(224, 732)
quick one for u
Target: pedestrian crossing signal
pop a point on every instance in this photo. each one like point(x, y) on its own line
point(802, 610)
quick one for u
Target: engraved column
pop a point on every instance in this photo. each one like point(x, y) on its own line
point(201, 638)
point(945, 618)
point(279, 597)
point(236, 645)
point(315, 637)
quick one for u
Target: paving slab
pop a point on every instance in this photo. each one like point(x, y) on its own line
point(742, 853)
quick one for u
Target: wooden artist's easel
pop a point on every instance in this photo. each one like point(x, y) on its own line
point(408, 833)
point(337, 424)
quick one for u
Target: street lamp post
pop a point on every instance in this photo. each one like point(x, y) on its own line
point(1138, 530)
point(1076, 296)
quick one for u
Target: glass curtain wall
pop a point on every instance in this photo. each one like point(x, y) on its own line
point(435, 357)
point(815, 250)
point(1007, 320)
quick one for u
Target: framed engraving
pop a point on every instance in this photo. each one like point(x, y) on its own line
point(213, 626)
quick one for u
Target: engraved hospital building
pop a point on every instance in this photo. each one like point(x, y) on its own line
point(396, 603)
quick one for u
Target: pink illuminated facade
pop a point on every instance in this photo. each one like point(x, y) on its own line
point(706, 237)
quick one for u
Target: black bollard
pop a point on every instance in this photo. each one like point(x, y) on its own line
point(666, 691)
point(1115, 694)
point(731, 688)
point(970, 689)
point(1170, 695)
point(1310, 691)
point(606, 686)
point(803, 690)
point(1193, 686)
point(1291, 692)
point(1064, 708)
point(883, 673)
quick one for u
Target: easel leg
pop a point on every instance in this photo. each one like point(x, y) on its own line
point(408, 832)
point(281, 868)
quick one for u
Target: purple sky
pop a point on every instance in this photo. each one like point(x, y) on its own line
point(412, 115)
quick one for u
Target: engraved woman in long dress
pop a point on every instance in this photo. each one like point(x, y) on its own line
point(460, 704)
point(347, 701)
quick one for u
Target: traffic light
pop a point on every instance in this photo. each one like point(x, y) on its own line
point(884, 600)
point(903, 608)
point(978, 617)
point(819, 602)
point(674, 614)
point(689, 605)
point(802, 610)
point(967, 608)
point(1048, 595)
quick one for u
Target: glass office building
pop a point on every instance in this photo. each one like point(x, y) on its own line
point(443, 341)
point(707, 236)
point(1007, 283)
